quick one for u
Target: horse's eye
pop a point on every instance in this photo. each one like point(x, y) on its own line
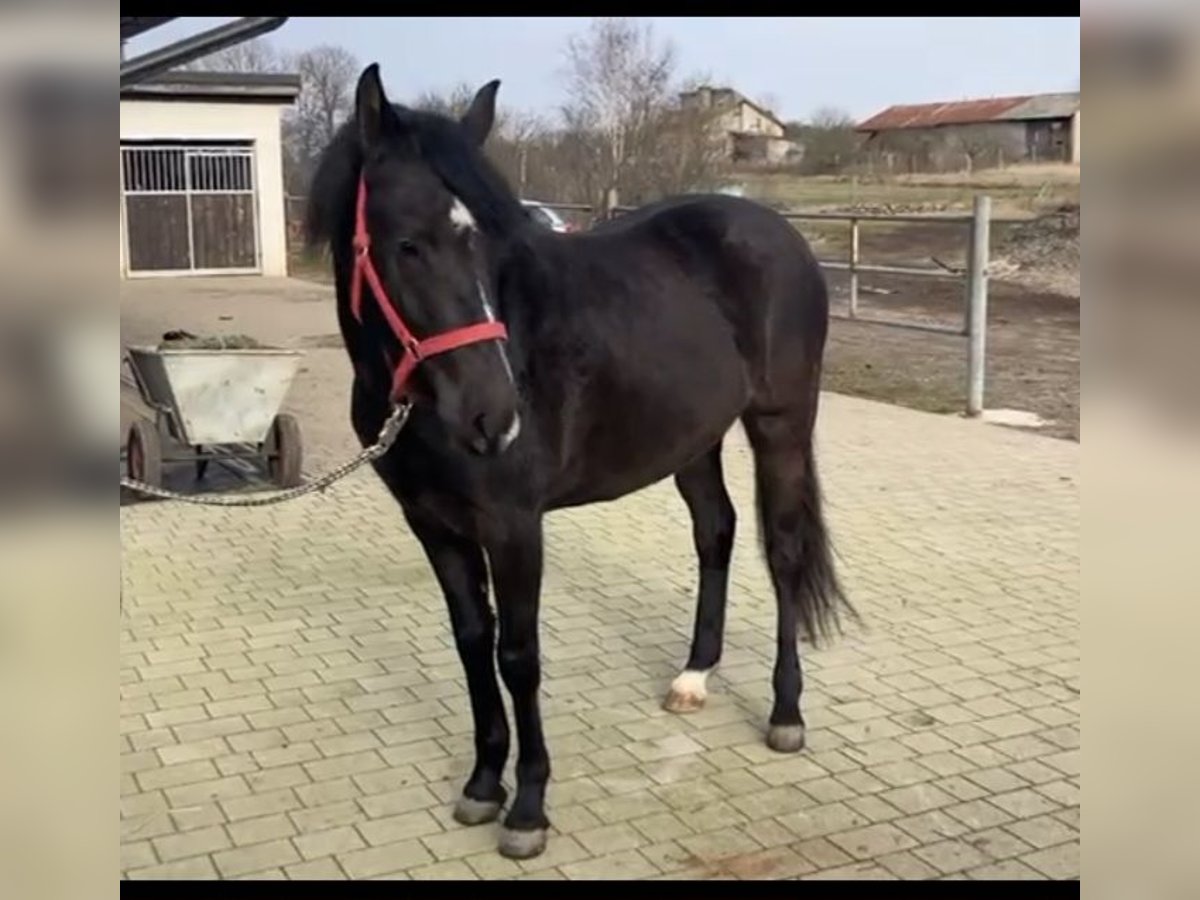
point(407, 247)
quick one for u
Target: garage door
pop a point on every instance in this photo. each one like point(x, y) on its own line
point(189, 208)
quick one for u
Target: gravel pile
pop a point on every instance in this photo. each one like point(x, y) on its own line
point(1044, 252)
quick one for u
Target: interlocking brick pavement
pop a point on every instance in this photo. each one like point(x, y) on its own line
point(292, 706)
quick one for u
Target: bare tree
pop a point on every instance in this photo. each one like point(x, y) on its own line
point(767, 101)
point(829, 140)
point(327, 78)
point(506, 125)
point(831, 118)
point(258, 55)
point(453, 102)
point(621, 107)
point(510, 143)
point(515, 137)
point(622, 128)
point(979, 149)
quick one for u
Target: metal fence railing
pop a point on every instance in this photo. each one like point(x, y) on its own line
point(974, 276)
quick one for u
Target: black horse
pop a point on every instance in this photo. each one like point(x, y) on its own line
point(565, 369)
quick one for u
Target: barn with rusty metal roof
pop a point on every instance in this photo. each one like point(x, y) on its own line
point(1026, 128)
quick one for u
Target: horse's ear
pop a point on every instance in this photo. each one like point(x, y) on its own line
point(479, 118)
point(371, 107)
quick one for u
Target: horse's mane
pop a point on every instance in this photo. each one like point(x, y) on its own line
point(330, 193)
point(442, 145)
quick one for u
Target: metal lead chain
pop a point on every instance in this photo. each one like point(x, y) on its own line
point(387, 436)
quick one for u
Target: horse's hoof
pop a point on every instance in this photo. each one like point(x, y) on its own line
point(688, 692)
point(786, 738)
point(522, 844)
point(683, 701)
point(475, 812)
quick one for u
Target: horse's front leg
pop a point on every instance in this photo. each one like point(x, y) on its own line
point(516, 560)
point(459, 566)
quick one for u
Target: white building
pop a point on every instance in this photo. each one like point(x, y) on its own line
point(202, 174)
point(747, 131)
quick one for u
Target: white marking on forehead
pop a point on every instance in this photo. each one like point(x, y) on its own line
point(460, 216)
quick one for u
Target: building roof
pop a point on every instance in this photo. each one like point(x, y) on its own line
point(228, 87)
point(728, 96)
point(1045, 106)
point(966, 112)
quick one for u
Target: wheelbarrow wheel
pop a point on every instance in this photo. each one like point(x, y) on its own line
point(284, 451)
point(143, 456)
point(201, 464)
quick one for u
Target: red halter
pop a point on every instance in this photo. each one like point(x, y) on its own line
point(415, 350)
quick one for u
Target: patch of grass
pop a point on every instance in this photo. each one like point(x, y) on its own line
point(851, 369)
point(1016, 192)
point(831, 240)
point(1032, 353)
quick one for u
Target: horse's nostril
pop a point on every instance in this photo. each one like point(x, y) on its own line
point(483, 440)
point(490, 437)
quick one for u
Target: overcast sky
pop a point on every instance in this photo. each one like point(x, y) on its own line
point(860, 65)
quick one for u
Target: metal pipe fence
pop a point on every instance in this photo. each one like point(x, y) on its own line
point(974, 276)
point(975, 279)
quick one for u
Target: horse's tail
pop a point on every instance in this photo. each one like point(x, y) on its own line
point(792, 522)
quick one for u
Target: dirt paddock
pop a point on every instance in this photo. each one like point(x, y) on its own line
point(1033, 319)
point(1033, 313)
point(1032, 350)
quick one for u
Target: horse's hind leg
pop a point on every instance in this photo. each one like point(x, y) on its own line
point(713, 522)
point(797, 550)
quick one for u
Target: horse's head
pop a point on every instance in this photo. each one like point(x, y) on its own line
point(431, 257)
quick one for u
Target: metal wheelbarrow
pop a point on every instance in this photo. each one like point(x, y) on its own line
point(217, 404)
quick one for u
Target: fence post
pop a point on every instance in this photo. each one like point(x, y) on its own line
point(853, 268)
point(977, 281)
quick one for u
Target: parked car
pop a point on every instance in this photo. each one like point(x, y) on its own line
point(545, 215)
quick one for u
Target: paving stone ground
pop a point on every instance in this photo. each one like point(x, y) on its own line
point(292, 705)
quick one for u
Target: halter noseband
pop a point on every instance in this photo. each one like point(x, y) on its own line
point(415, 349)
